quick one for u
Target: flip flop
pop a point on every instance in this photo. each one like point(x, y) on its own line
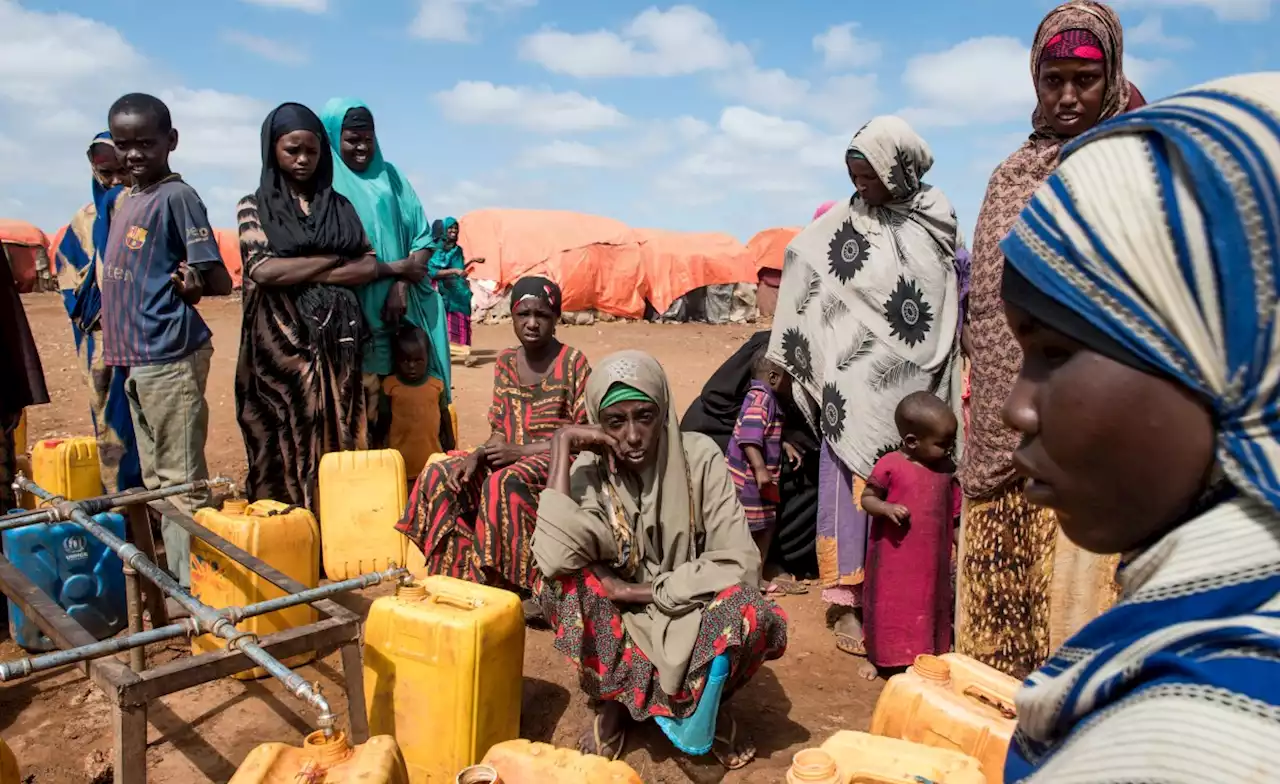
point(618, 742)
point(533, 616)
point(727, 749)
point(786, 586)
point(850, 644)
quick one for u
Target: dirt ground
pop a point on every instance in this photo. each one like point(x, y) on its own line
point(58, 725)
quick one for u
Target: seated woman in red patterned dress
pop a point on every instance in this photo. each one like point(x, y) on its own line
point(652, 574)
point(473, 516)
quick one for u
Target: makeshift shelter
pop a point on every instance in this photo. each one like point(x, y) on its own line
point(28, 251)
point(768, 250)
point(229, 247)
point(691, 276)
point(596, 261)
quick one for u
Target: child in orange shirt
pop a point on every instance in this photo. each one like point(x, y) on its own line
point(418, 409)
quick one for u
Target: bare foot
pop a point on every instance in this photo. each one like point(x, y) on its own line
point(867, 671)
point(733, 749)
point(607, 735)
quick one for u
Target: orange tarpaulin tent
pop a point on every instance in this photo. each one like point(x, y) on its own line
point(769, 247)
point(53, 247)
point(677, 262)
point(23, 244)
point(596, 261)
point(229, 247)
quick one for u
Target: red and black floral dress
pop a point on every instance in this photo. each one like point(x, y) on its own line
point(482, 534)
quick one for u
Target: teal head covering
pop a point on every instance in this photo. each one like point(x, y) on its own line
point(622, 393)
point(397, 226)
point(455, 290)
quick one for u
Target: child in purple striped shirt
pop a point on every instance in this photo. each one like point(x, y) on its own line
point(755, 450)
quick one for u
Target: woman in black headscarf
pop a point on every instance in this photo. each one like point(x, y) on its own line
point(299, 392)
point(715, 412)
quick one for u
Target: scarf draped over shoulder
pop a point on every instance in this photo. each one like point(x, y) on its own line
point(1159, 230)
point(868, 303)
point(987, 464)
point(679, 527)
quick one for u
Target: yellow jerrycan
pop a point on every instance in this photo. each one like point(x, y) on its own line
point(286, 538)
point(362, 495)
point(20, 435)
point(951, 703)
point(324, 761)
point(9, 773)
point(868, 759)
point(526, 762)
point(67, 467)
point(443, 663)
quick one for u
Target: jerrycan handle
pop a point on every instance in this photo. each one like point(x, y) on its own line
point(461, 602)
point(991, 699)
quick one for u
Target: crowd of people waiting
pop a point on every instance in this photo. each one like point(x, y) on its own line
point(978, 451)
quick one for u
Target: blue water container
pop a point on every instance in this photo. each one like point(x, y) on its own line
point(76, 570)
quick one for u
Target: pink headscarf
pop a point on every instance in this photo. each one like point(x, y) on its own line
point(822, 210)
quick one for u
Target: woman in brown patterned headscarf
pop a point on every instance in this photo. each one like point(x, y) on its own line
point(1023, 588)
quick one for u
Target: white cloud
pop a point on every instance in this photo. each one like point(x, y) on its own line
point(1150, 32)
point(842, 48)
point(1226, 10)
point(457, 199)
point(980, 80)
point(845, 102)
point(310, 6)
point(681, 40)
point(450, 20)
point(59, 73)
point(266, 48)
point(691, 128)
point(485, 103)
point(762, 130)
point(576, 154)
point(770, 88)
point(1144, 73)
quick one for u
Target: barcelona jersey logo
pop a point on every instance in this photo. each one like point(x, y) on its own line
point(135, 238)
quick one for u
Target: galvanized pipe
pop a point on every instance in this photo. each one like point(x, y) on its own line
point(133, 603)
point(104, 503)
point(21, 668)
point(206, 619)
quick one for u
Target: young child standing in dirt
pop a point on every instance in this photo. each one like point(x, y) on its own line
point(161, 257)
point(755, 456)
point(914, 501)
point(416, 405)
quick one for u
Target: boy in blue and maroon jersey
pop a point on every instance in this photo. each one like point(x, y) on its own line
point(161, 258)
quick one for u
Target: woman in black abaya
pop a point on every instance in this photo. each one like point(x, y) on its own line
point(715, 412)
point(299, 392)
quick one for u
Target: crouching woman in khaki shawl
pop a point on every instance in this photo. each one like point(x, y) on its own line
point(651, 567)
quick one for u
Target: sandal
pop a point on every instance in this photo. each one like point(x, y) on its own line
point(533, 617)
point(785, 586)
point(854, 646)
point(731, 757)
point(618, 742)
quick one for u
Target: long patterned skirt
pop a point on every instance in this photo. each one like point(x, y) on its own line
point(842, 531)
point(483, 533)
point(589, 630)
point(1023, 587)
point(459, 334)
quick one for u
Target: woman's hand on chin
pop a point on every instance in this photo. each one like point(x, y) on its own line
point(579, 438)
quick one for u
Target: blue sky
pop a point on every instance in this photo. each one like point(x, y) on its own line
point(719, 116)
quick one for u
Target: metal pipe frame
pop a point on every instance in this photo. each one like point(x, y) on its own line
point(130, 692)
point(206, 618)
point(138, 639)
point(105, 503)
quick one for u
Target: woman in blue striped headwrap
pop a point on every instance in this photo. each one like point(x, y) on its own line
point(1142, 283)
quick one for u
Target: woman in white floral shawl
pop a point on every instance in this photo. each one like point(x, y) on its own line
point(866, 315)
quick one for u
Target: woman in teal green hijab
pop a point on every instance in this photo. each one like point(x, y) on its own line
point(450, 268)
point(398, 229)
